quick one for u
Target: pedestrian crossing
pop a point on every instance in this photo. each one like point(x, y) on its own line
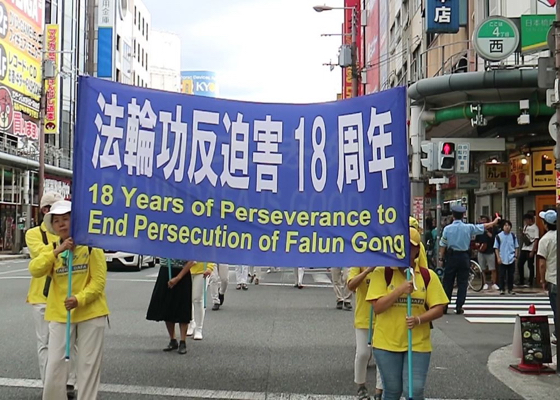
point(497, 309)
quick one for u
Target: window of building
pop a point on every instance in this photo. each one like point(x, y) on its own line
point(134, 15)
point(142, 57)
point(143, 27)
point(147, 31)
point(118, 42)
point(146, 60)
point(119, 75)
point(138, 53)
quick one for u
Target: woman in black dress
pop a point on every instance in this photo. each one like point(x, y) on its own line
point(172, 301)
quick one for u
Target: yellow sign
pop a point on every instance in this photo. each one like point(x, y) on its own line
point(52, 44)
point(20, 52)
point(544, 175)
point(520, 174)
point(496, 172)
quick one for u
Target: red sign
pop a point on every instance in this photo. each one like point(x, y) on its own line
point(372, 47)
point(352, 6)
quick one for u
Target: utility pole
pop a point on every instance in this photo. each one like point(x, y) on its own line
point(354, 53)
point(557, 57)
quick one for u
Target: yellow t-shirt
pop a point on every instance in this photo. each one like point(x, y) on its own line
point(198, 268)
point(362, 312)
point(35, 244)
point(390, 326)
point(422, 257)
point(89, 274)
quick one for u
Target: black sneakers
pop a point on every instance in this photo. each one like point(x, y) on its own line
point(339, 305)
point(348, 306)
point(215, 307)
point(221, 297)
point(363, 393)
point(173, 345)
point(182, 347)
point(70, 392)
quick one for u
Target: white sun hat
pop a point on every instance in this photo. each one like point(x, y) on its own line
point(59, 208)
point(49, 198)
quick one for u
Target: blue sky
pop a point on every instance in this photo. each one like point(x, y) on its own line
point(262, 50)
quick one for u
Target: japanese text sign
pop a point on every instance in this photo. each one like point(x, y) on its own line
point(200, 178)
point(52, 85)
point(442, 16)
point(534, 32)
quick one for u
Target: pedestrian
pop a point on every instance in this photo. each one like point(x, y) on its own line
point(199, 272)
point(37, 239)
point(486, 256)
point(219, 281)
point(255, 274)
point(530, 241)
point(546, 255)
point(87, 304)
point(298, 276)
point(358, 281)
point(172, 301)
point(454, 254)
point(242, 275)
point(507, 251)
point(339, 277)
point(388, 291)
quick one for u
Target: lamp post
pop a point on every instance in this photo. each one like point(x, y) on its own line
point(354, 46)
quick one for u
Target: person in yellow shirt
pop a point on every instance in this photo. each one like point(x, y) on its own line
point(87, 304)
point(388, 292)
point(422, 257)
point(37, 239)
point(199, 272)
point(358, 282)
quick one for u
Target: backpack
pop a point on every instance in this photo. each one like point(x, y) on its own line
point(426, 277)
point(49, 279)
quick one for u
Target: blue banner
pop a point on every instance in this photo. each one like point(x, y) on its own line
point(442, 16)
point(198, 178)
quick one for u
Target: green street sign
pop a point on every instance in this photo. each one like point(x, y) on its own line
point(534, 31)
point(496, 38)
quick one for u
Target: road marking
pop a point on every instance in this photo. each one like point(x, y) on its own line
point(321, 277)
point(497, 320)
point(15, 270)
point(187, 393)
point(312, 285)
point(545, 306)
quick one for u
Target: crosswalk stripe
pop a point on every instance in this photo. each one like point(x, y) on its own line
point(321, 278)
point(497, 320)
point(471, 306)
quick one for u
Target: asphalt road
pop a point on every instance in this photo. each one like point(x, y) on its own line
point(268, 342)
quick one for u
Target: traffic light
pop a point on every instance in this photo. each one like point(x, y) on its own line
point(429, 161)
point(446, 156)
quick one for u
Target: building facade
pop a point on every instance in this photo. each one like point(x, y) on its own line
point(165, 68)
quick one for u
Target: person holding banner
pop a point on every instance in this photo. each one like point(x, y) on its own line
point(388, 292)
point(37, 239)
point(172, 300)
point(299, 273)
point(219, 281)
point(241, 275)
point(358, 281)
point(199, 272)
point(83, 270)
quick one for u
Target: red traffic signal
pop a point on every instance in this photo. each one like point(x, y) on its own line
point(448, 149)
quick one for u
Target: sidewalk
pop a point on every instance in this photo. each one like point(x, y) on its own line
point(8, 257)
point(530, 387)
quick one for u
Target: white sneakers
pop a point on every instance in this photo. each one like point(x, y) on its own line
point(190, 329)
point(197, 334)
point(495, 287)
point(485, 287)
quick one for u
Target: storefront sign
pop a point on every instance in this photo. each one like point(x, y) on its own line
point(557, 187)
point(418, 209)
point(52, 85)
point(59, 186)
point(350, 6)
point(496, 38)
point(442, 16)
point(496, 172)
point(534, 32)
point(520, 174)
point(543, 169)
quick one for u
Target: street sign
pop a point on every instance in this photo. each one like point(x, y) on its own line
point(496, 172)
point(534, 31)
point(496, 38)
point(463, 158)
point(442, 16)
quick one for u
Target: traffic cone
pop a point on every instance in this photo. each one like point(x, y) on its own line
point(532, 309)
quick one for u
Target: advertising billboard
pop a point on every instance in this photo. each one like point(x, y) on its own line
point(350, 6)
point(372, 46)
point(384, 62)
point(200, 83)
point(21, 28)
point(52, 47)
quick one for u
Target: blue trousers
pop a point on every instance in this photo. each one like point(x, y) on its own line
point(394, 373)
point(457, 265)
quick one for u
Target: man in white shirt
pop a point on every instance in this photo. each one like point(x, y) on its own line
point(529, 240)
point(547, 262)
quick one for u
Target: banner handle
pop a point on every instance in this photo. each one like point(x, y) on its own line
point(409, 312)
point(70, 259)
point(370, 333)
point(169, 268)
point(204, 287)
